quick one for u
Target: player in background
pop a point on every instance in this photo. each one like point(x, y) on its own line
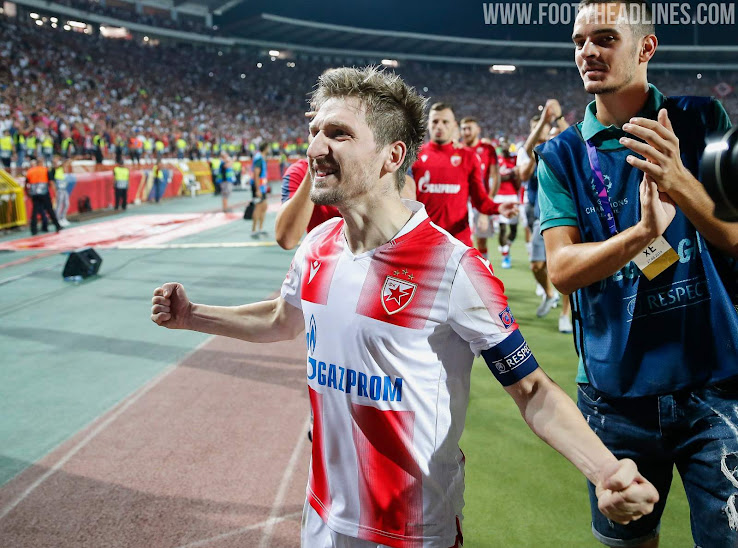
point(507, 192)
point(549, 123)
point(260, 189)
point(482, 225)
point(394, 310)
point(447, 177)
point(229, 179)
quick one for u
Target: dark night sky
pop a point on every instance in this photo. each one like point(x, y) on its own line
point(455, 18)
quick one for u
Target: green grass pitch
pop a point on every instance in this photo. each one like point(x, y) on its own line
point(520, 493)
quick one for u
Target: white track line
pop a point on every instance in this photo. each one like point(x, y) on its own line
point(197, 245)
point(123, 406)
point(284, 485)
point(207, 541)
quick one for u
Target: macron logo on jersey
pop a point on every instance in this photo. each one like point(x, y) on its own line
point(314, 267)
point(486, 264)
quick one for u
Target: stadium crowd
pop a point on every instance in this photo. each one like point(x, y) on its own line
point(81, 93)
point(150, 16)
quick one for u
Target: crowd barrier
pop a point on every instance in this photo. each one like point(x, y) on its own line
point(12, 205)
point(197, 166)
point(95, 181)
point(99, 188)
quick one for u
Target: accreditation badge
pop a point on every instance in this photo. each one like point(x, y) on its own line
point(656, 257)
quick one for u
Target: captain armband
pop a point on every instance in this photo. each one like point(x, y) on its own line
point(510, 360)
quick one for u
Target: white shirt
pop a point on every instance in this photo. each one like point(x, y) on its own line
point(391, 336)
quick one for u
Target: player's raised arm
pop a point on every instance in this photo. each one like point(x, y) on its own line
point(294, 215)
point(266, 321)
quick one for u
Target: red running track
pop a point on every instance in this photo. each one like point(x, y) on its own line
point(211, 453)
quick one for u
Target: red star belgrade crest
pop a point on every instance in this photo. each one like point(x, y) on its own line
point(397, 294)
point(456, 160)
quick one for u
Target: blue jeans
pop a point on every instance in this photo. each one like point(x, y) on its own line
point(159, 187)
point(698, 432)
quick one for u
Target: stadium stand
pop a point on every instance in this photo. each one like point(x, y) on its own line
point(74, 84)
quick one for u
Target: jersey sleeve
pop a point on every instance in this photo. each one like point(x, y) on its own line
point(479, 314)
point(292, 179)
point(554, 199)
point(479, 197)
point(292, 286)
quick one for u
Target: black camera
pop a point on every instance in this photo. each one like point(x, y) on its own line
point(719, 173)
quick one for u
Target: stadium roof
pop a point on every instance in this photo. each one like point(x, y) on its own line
point(296, 35)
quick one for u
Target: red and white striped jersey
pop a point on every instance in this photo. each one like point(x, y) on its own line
point(391, 336)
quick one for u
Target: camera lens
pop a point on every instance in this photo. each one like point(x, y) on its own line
point(719, 173)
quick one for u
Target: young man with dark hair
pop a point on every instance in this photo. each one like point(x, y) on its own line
point(394, 310)
point(657, 339)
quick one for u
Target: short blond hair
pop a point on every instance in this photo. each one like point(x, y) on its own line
point(394, 110)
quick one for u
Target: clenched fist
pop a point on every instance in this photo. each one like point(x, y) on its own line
point(170, 306)
point(623, 494)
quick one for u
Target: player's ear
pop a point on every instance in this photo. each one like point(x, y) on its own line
point(395, 156)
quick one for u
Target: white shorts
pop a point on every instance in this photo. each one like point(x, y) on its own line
point(314, 533)
point(507, 199)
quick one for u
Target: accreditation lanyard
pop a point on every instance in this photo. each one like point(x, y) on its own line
point(602, 197)
point(658, 255)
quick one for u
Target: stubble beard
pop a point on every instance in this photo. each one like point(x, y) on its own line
point(630, 73)
point(351, 184)
point(326, 197)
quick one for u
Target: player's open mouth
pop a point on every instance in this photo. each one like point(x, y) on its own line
point(323, 171)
